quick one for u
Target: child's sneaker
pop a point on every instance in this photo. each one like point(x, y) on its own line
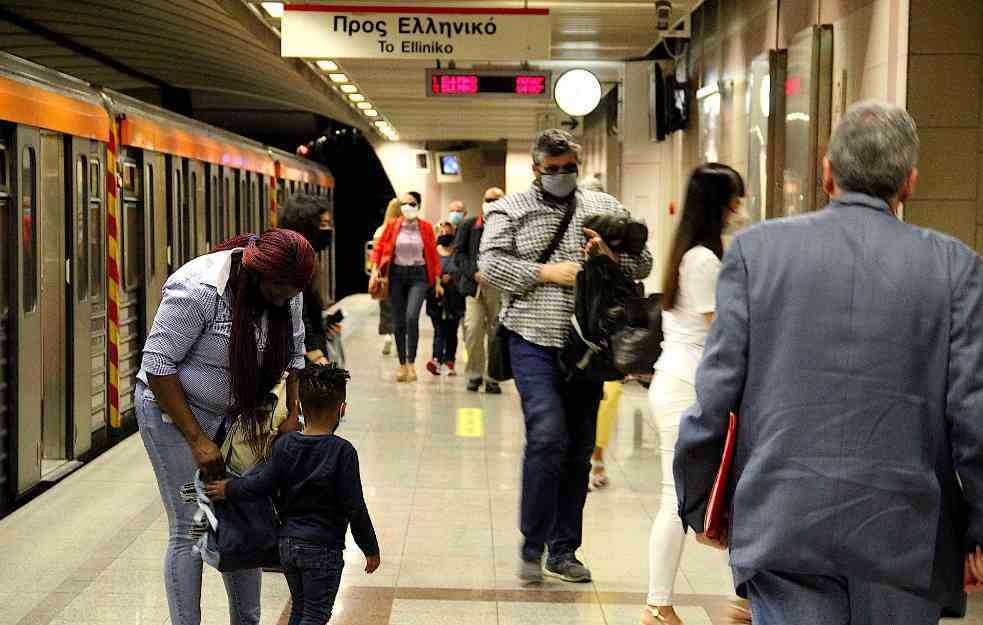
point(449, 366)
point(433, 366)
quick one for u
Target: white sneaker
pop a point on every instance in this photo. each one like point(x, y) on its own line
point(387, 346)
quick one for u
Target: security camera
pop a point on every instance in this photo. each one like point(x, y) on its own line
point(663, 15)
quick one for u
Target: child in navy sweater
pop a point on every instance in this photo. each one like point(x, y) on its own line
point(315, 479)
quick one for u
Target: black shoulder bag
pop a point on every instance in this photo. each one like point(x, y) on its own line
point(499, 356)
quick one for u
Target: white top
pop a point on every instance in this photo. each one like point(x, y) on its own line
point(684, 328)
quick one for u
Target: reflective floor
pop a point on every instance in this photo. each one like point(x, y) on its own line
point(441, 469)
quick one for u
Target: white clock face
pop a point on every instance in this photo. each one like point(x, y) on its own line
point(577, 92)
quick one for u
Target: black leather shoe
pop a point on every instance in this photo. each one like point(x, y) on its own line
point(474, 385)
point(492, 388)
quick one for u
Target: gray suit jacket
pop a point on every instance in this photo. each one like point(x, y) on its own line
point(851, 347)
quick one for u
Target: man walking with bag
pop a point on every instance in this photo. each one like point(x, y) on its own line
point(532, 248)
point(850, 345)
point(483, 300)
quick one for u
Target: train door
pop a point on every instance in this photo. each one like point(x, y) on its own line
point(175, 201)
point(7, 232)
point(155, 221)
point(85, 171)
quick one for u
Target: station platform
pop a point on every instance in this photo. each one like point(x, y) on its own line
point(441, 471)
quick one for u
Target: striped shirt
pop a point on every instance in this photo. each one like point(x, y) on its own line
point(190, 336)
point(518, 228)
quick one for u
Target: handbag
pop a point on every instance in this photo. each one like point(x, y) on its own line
point(238, 453)
point(499, 354)
point(379, 288)
point(638, 345)
point(715, 519)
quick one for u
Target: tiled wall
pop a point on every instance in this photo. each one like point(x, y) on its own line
point(945, 96)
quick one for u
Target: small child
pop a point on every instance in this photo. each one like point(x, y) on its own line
point(445, 306)
point(315, 477)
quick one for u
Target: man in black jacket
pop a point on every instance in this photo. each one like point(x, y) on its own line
point(483, 300)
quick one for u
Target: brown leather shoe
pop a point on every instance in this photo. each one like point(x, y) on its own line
point(402, 374)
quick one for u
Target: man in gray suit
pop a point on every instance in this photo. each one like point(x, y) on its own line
point(851, 347)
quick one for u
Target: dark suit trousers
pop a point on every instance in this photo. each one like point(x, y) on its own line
point(791, 599)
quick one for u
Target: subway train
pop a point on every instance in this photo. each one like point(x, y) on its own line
point(101, 197)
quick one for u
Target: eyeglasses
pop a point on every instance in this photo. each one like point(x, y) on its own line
point(553, 170)
point(413, 204)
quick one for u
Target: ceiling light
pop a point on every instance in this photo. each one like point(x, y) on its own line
point(338, 77)
point(577, 92)
point(371, 113)
point(364, 106)
point(328, 66)
point(356, 97)
point(275, 9)
point(349, 89)
point(382, 123)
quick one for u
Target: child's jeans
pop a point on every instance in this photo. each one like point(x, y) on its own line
point(445, 339)
point(313, 574)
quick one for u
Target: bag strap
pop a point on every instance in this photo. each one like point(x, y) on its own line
point(558, 235)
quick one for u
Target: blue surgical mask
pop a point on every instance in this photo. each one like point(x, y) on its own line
point(456, 218)
point(559, 185)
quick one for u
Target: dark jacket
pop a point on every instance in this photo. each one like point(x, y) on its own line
point(315, 336)
point(452, 304)
point(467, 243)
point(850, 345)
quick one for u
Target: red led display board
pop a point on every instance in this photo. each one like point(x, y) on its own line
point(442, 83)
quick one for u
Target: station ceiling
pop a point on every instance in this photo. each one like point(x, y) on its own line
point(224, 54)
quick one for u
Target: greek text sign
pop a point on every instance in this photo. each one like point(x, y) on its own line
point(401, 32)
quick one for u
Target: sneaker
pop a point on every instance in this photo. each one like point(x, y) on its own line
point(449, 366)
point(492, 388)
point(569, 570)
point(387, 346)
point(433, 366)
point(474, 385)
point(531, 571)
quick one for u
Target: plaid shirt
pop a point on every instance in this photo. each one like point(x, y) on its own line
point(518, 228)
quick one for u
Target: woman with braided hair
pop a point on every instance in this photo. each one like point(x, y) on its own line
point(228, 326)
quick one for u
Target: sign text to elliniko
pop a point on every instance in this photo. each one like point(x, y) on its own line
point(401, 32)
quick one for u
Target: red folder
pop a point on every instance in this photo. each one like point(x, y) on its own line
point(715, 521)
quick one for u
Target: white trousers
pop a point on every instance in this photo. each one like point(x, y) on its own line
point(669, 397)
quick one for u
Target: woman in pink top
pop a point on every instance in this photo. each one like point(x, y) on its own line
point(407, 255)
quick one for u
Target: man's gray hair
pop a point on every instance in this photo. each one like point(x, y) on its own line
point(554, 142)
point(874, 149)
point(591, 183)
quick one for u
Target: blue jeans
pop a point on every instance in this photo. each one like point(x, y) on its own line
point(793, 599)
point(407, 291)
point(561, 425)
point(313, 574)
point(174, 467)
point(445, 339)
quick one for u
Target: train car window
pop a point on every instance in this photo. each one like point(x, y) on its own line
point(226, 197)
point(190, 204)
point(243, 204)
point(29, 227)
point(151, 225)
point(81, 228)
point(131, 182)
point(175, 253)
point(132, 245)
point(3, 169)
point(97, 267)
point(217, 230)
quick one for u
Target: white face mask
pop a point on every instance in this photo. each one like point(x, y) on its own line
point(486, 206)
point(738, 220)
point(410, 212)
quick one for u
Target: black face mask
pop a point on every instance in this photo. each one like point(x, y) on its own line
point(322, 240)
point(445, 240)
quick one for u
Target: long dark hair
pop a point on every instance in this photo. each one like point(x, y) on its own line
point(284, 256)
point(711, 188)
point(302, 213)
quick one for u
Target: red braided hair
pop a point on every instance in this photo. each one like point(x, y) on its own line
point(281, 256)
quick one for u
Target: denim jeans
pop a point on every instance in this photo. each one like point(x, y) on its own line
point(561, 424)
point(174, 467)
point(313, 574)
point(445, 339)
point(407, 291)
point(792, 599)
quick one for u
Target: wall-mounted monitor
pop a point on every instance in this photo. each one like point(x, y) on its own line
point(450, 167)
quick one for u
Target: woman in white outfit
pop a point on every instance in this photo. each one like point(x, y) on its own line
point(688, 300)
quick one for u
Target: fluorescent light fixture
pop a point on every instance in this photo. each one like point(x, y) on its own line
point(328, 66)
point(356, 97)
point(382, 123)
point(371, 113)
point(349, 89)
point(338, 77)
point(275, 9)
point(364, 106)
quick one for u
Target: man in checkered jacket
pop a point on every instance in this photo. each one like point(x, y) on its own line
point(538, 301)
